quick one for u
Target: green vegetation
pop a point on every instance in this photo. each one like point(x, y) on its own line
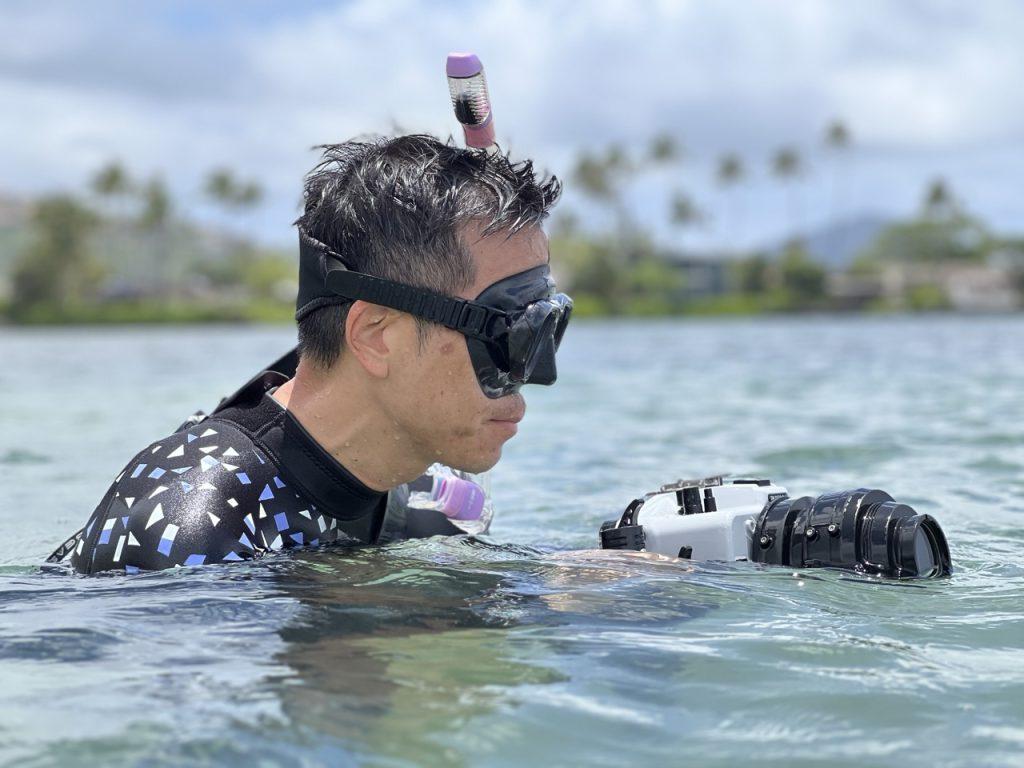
point(157, 311)
point(941, 259)
point(57, 267)
point(123, 254)
point(123, 257)
point(926, 241)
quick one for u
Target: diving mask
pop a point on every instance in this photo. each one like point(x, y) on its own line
point(512, 329)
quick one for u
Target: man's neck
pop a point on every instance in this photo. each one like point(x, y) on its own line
point(362, 438)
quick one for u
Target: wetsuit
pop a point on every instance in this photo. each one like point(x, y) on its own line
point(244, 481)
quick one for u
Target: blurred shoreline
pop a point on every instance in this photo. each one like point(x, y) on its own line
point(123, 253)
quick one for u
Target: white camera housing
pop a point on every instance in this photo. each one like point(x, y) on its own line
point(720, 527)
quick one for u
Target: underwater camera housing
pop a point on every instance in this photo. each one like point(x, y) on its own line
point(711, 519)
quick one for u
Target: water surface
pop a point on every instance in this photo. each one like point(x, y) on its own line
point(455, 652)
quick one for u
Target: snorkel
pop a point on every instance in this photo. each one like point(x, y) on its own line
point(535, 341)
point(470, 99)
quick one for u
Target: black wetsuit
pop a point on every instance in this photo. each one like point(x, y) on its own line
point(232, 486)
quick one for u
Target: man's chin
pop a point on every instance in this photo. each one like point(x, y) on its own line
point(477, 464)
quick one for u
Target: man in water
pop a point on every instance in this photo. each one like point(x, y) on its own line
point(425, 303)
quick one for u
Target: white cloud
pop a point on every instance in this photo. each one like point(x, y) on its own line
point(928, 86)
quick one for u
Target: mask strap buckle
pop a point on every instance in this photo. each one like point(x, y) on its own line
point(473, 319)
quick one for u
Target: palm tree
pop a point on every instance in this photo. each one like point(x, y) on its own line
point(837, 143)
point(617, 159)
point(220, 186)
point(111, 179)
point(729, 173)
point(249, 195)
point(113, 184)
point(939, 202)
point(235, 197)
point(156, 205)
point(837, 135)
point(730, 169)
point(786, 163)
point(603, 178)
point(664, 150)
point(787, 166)
point(592, 177)
point(231, 193)
point(683, 211)
point(156, 212)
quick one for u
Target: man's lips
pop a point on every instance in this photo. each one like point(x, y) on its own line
point(508, 427)
point(512, 419)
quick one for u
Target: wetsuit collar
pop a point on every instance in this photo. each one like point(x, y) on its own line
point(330, 487)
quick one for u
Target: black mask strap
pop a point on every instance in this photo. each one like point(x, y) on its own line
point(466, 317)
point(325, 279)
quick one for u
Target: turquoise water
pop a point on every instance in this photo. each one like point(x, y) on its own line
point(448, 652)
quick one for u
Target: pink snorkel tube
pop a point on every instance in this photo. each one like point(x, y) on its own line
point(472, 103)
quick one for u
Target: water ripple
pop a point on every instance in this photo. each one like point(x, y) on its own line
point(528, 646)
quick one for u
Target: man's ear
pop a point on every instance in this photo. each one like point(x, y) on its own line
point(366, 339)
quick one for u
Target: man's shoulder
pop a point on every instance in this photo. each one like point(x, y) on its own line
point(204, 494)
point(211, 463)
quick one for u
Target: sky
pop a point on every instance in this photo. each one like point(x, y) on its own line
point(928, 88)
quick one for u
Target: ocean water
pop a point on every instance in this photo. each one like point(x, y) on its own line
point(533, 647)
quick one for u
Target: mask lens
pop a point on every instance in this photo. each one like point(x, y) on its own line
point(523, 351)
point(527, 335)
point(490, 362)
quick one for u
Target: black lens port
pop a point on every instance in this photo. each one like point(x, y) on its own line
point(862, 530)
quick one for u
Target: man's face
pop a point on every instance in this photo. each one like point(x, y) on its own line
point(436, 399)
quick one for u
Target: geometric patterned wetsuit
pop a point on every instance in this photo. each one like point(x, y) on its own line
point(245, 481)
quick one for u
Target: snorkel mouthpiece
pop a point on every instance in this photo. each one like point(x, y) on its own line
point(470, 99)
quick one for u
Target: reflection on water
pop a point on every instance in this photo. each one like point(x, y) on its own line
point(393, 649)
point(523, 648)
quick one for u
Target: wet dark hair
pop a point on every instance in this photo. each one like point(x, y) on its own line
point(394, 207)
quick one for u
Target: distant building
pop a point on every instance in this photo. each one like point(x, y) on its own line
point(981, 289)
point(852, 292)
point(1008, 257)
point(969, 288)
point(703, 274)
